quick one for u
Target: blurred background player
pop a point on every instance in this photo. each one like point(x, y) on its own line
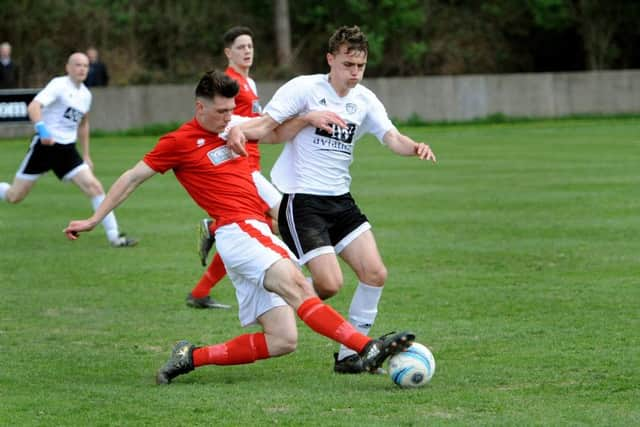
point(98, 74)
point(60, 113)
point(8, 68)
point(239, 51)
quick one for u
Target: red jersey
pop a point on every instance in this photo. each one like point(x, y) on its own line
point(247, 100)
point(247, 105)
point(218, 180)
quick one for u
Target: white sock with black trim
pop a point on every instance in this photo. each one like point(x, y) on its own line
point(362, 312)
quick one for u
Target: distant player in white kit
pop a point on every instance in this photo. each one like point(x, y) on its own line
point(60, 113)
point(318, 217)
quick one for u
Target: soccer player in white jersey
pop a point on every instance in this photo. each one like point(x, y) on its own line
point(60, 113)
point(318, 218)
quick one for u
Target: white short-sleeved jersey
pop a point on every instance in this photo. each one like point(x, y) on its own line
point(315, 161)
point(65, 104)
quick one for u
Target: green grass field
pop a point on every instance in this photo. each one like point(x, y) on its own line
point(516, 259)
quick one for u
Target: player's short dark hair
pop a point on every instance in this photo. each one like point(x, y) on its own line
point(352, 37)
point(216, 83)
point(233, 33)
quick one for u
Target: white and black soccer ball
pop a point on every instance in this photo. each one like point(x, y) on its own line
point(413, 367)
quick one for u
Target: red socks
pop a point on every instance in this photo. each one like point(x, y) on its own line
point(215, 272)
point(240, 350)
point(326, 321)
point(251, 347)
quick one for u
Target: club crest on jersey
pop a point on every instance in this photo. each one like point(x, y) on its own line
point(220, 155)
point(351, 107)
point(339, 134)
point(200, 142)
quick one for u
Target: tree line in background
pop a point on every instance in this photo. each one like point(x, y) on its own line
point(168, 41)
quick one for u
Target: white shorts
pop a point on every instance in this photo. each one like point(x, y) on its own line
point(266, 190)
point(248, 249)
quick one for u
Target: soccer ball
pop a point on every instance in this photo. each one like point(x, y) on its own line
point(413, 367)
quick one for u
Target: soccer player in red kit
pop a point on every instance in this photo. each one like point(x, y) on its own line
point(269, 285)
point(239, 49)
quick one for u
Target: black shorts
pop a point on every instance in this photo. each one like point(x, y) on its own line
point(313, 225)
point(61, 158)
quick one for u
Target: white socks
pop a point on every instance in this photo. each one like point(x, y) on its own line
point(3, 189)
point(109, 222)
point(362, 312)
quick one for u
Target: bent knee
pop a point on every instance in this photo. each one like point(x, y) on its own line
point(283, 345)
point(14, 198)
point(289, 345)
point(326, 290)
point(94, 189)
point(375, 277)
point(89, 185)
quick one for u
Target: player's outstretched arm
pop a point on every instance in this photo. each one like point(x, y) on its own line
point(319, 119)
point(405, 146)
point(254, 129)
point(118, 193)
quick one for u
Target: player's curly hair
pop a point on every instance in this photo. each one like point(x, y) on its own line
point(352, 37)
point(216, 83)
